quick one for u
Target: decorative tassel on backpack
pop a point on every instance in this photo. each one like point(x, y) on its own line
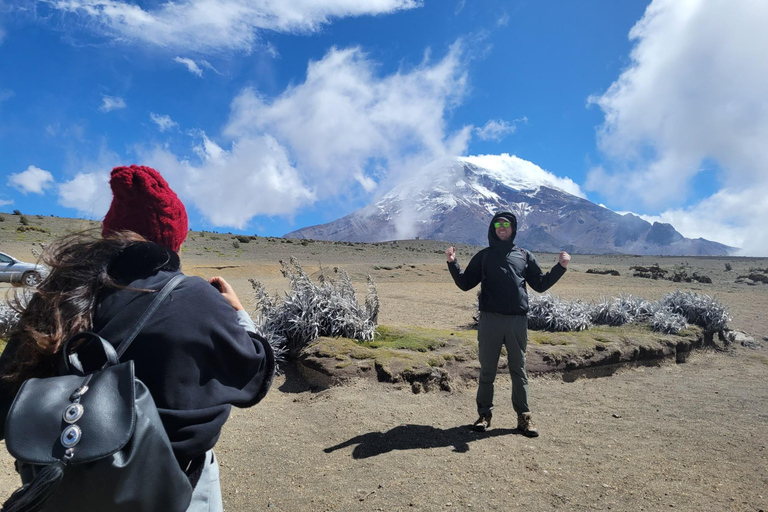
point(32, 496)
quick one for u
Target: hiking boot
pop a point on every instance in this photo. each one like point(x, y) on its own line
point(483, 423)
point(525, 425)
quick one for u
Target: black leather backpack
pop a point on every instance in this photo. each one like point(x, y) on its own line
point(94, 441)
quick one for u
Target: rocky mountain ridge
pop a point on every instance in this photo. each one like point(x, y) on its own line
point(454, 199)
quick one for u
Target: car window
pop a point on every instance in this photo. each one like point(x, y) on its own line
point(5, 259)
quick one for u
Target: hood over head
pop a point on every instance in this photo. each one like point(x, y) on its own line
point(493, 240)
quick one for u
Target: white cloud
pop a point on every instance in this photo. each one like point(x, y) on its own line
point(88, 193)
point(6, 202)
point(163, 122)
point(213, 25)
point(88, 190)
point(5, 94)
point(229, 187)
point(191, 65)
point(498, 129)
point(732, 217)
point(34, 180)
point(344, 117)
point(695, 94)
point(344, 127)
point(110, 103)
point(2, 34)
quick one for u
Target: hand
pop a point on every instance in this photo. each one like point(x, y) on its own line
point(227, 291)
point(564, 259)
point(450, 254)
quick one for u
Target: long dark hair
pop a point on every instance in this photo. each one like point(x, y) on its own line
point(65, 301)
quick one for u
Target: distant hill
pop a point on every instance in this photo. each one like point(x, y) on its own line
point(454, 199)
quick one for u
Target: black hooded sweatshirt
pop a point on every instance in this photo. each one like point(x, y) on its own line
point(192, 354)
point(504, 269)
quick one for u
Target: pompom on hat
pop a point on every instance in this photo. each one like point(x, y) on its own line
point(144, 203)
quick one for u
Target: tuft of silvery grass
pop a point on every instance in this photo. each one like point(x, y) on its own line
point(698, 309)
point(670, 315)
point(622, 310)
point(278, 345)
point(554, 314)
point(10, 310)
point(667, 321)
point(310, 310)
point(9, 318)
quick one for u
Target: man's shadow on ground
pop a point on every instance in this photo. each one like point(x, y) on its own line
point(415, 437)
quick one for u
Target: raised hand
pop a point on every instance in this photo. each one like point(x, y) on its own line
point(450, 254)
point(564, 259)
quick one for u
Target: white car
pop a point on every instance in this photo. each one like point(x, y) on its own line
point(18, 272)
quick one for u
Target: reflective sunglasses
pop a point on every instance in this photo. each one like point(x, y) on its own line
point(497, 225)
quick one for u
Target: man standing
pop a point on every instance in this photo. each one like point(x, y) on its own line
point(504, 269)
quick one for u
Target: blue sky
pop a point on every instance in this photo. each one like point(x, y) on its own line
point(270, 115)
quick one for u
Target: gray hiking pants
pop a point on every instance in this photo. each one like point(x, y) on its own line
point(511, 331)
point(206, 497)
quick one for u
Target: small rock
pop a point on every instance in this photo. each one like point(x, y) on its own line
point(616, 415)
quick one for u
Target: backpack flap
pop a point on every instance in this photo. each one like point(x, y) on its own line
point(93, 416)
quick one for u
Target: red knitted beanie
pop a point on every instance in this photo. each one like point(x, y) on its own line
point(144, 203)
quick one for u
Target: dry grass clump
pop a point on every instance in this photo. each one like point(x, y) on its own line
point(669, 315)
point(9, 317)
point(311, 310)
point(549, 313)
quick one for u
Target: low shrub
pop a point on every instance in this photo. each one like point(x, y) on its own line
point(609, 271)
point(549, 313)
point(310, 310)
point(9, 317)
point(698, 309)
point(669, 315)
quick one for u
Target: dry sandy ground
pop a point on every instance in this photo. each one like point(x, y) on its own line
point(684, 437)
point(674, 437)
point(677, 437)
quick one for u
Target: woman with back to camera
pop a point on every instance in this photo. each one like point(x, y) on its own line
point(198, 354)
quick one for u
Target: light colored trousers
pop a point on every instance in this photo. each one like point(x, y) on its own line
point(207, 494)
point(494, 331)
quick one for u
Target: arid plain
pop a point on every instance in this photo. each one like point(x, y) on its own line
point(687, 436)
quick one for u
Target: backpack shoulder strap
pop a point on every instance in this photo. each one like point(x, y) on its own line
point(162, 294)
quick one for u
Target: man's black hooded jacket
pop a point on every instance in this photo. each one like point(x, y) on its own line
point(504, 269)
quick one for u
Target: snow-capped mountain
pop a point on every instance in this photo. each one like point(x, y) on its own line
point(454, 199)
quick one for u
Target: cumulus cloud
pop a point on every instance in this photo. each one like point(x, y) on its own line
point(732, 217)
point(191, 65)
point(345, 126)
point(497, 129)
point(230, 186)
point(214, 25)
point(34, 180)
point(110, 103)
point(694, 94)
point(88, 193)
point(345, 116)
point(163, 122)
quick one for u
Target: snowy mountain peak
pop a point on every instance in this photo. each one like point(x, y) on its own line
point(453, 199)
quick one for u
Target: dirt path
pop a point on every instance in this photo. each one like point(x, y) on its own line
point(683, 437)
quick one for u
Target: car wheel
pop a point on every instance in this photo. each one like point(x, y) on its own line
point(31, 279)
